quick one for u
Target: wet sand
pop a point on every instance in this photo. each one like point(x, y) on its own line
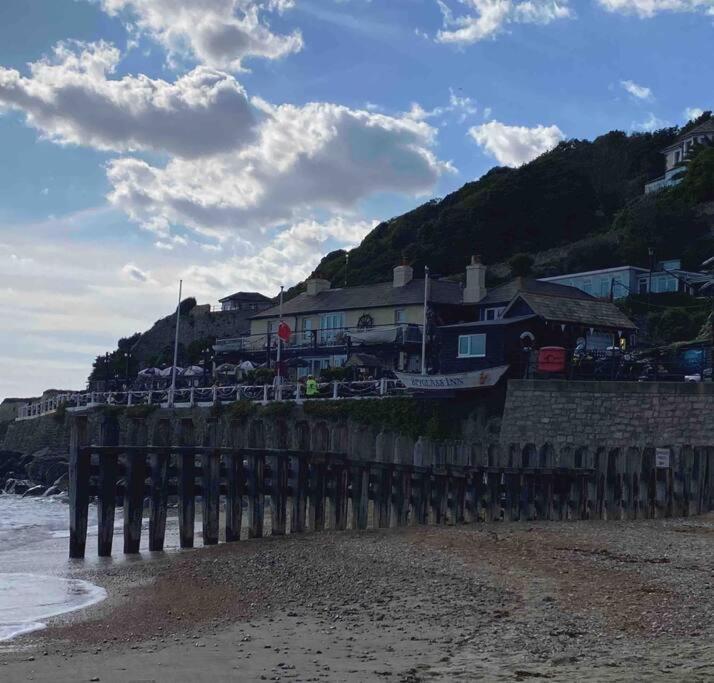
point(603, 601)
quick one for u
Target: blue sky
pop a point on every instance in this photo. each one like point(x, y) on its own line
point(232, 143)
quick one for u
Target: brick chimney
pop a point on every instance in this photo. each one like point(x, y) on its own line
point(403, 275)
point(475, 281)
point(316, 284)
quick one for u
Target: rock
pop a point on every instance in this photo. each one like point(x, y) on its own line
point(37, 490)
point(19, 486)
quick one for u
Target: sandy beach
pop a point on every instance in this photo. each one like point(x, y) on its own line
point(605, 601)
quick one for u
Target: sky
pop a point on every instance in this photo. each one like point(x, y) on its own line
point(233, 143)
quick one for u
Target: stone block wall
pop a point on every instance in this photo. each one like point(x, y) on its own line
point(647, 414)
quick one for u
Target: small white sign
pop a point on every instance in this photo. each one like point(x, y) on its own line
point(662, 456)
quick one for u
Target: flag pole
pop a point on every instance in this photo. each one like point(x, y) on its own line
point(280, 322)
point(176, 339)
point(423, 329)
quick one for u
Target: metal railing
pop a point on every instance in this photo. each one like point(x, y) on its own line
point(208, 396)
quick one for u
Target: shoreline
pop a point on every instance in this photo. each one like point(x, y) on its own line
point(598, 600)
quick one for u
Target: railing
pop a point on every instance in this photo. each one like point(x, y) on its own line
point(207, 396)
point(325, 337)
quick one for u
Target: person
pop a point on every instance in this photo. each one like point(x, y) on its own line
point(311, 388)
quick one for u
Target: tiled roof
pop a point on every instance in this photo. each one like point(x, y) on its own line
point(504, 293)
point(368, 296)
point(589, 312)
point(705, 127)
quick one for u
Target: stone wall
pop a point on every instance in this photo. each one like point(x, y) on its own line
point(647, 414)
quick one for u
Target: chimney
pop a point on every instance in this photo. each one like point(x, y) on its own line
point(475, 281)
point(315, 285)
point(403, 275)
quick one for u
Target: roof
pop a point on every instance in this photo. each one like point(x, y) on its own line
point(704, 127)
point(505, 293)
point(589, 312)
point(248, 296)
point(382, 294)
point(491, 323)
point(601, 271)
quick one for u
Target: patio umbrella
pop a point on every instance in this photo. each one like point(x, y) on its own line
point(193, 371)
point(247, 365)
point(166, 372)
point(225, 369)
point(149, 372)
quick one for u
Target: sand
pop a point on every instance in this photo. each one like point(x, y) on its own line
point(604, 601)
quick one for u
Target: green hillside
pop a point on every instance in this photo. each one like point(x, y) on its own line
point(581, 189)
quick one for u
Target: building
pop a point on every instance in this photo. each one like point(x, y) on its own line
point(620, 282)
point(538, 314)
point(328, 324)
point(676, 155)
point(246, 301)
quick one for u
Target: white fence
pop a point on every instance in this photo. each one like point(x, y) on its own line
point(195, 396)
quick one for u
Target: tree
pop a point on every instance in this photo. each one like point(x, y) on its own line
point(521, 265)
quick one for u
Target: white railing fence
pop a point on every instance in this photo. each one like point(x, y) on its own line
point(207, 396)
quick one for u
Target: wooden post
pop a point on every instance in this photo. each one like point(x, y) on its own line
point(403, 482)
point(384, 495)
point(79, 461)
point(299, 497)
point(255, 499)
point(210, 474)
point(134, 495)
point(423, 496)
point(359, 475)
point(279, 499)
point(186, 466)
point(107, 487)
point(341, 497)
point(459, 498)
point(159, 477)
point(317, 494)
point(234, 495)
point(441, 507)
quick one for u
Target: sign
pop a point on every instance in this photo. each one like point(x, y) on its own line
point(284, 331)
point(477, 379)
point(662, 456)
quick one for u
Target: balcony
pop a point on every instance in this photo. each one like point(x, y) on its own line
point(324, 339)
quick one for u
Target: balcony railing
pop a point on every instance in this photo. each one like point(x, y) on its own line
point(332, 337)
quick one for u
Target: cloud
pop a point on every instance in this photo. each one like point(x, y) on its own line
point(649, 8)
point(691, 113)
point(515, 145)
point(317, 156)
point(641, 92)
point(71, 99)
point(487, 18)
point(219, 33)
point(135, 273)
point(651, 123)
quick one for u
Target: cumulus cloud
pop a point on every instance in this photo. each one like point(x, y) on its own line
point(71, 99)
point(515, 145)
point(487, 18)
point(219, 33)
point(651, 123)
point(649, 8)
point(319, 155)
point(691, 113)
point(132, 272)
point(640, 92)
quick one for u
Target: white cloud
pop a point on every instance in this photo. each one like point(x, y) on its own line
point(136, 274)
point(515, 145)
point(71, 99)
point(691, 113)
point(651, 123)
point(641, 92)
point(487, 18)
point(219, 33)
point(649, 8)
point(318, 156)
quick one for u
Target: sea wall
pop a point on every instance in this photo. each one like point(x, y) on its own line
point(646, 414)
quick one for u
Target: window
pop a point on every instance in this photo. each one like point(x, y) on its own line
point(331, 325)
point(605, 287)
point(494, 313)
point(472, 345)
point(307, 330)
point(588, 286)
point(400, 316)
point(670, 284)
point(642, 289)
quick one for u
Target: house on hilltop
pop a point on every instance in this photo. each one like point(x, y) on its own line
point(676, 154)
point(246, 301)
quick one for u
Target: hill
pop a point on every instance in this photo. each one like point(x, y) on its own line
point(570, 199)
